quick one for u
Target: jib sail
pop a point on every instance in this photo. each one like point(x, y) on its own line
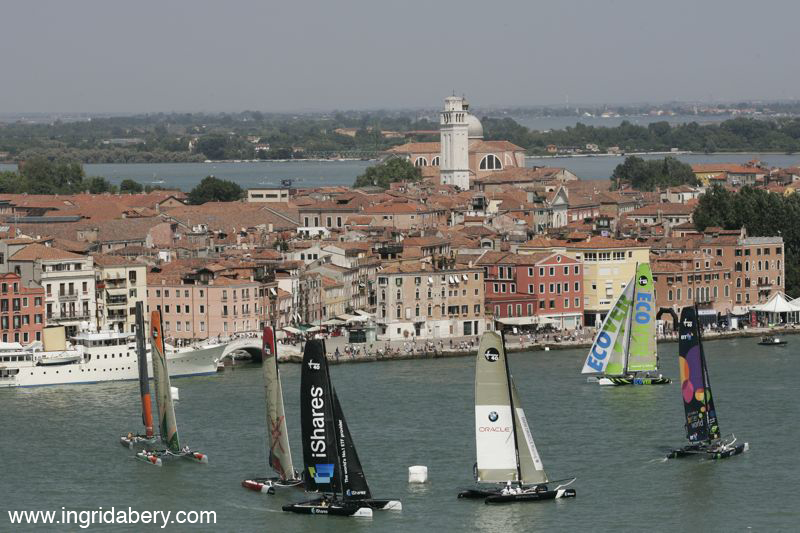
point(280, 455)
point(144, 378)
point(530, 464)
point(320, 455)
point(607, 354)
point(701, 418)
point(354, 482)
point(642, 354)
point(166, 409)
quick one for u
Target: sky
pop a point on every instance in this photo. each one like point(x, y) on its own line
point(106, 56)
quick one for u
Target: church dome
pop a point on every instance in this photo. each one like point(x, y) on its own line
point(474, 130)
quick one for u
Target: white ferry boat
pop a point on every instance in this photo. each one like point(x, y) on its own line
point(95, 357)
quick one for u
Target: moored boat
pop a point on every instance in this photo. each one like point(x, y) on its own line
point(770, 340)
point(506, 453)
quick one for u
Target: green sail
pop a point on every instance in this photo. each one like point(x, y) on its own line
point(607, 354)
point(642, 351)
point(166, 409)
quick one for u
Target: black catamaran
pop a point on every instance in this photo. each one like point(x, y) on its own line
point(167, 423)
point(331, 464)
point(506, 453)
point(702, 427)
point(280, 455)
point(132, 439)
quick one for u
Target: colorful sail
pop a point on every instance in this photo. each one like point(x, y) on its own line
point(530, 464)
point(144, 378)
point(607, 354)
point(354, 482)
point(494, 426)
point(166, 410)
point(280, 455)
point(701, 419)
point(320, 454)
point(642, 351)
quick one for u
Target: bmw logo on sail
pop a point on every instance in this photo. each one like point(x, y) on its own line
point(493, 416)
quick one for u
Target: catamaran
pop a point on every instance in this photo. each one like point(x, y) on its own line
point(506, 453)
point(702, 427)
point(331, 464)
point(624, 351)
point(167, 422)
point(280, 455)
point(132, 440)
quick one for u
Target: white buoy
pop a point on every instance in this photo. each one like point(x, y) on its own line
point(174, 393)
point(418, 474)
point(546, 348)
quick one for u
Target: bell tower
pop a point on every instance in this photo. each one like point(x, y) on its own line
point(454, 140)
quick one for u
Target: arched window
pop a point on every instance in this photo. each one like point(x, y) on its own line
point(435, 161)
point(420, 162)
point(491, 162)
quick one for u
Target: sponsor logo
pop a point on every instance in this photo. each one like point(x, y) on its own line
point(491, 354)
point(491, 429)
point(318, 445)
point(493, 416)
point(313, 366)
point(321, 473)
point(642, 280)
point(356, 492)
point(314, 510)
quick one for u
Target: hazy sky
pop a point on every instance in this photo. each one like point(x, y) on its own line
point(230, 55)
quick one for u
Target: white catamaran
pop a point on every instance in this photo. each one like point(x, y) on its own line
point(167, 423)
point(506, 453)
point(624, 351)
point(280, 455)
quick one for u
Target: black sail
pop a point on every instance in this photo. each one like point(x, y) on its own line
point(701, 419)
point(354, 482)
point(320, 458)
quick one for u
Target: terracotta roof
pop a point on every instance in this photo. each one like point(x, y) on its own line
point(46, 253)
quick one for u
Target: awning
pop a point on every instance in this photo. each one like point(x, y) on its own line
point(313, 329)
point(707, 312)
point(353, 318)
point(290, 329)
point(777, 304)
point(333, 322)
point(526, 321)
point(740, 310)
point(363, 313)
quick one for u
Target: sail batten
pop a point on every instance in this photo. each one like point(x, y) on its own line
point(280, 454)
point(166, 408)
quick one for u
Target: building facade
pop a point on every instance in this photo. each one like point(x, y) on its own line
point(21, 309)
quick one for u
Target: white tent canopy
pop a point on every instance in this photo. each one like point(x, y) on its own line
point(290, 329)
point(777, 304)
point(525, 320)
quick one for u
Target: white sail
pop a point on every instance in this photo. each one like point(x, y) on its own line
point(494, 426)
point(530, 464)
point(607, 354)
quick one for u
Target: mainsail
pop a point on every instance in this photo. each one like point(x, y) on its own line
point(642, 351)
point(166, 409)
point(494, 425)
point(607, 354)
point(144, 378)
point(701, 418)
point(280, 455)
point(354, 482)
point(320, 455)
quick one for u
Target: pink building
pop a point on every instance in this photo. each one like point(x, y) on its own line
point(21, 309)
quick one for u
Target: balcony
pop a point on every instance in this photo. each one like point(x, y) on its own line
point(68, 317)
point(116, 300)
point(68, 296)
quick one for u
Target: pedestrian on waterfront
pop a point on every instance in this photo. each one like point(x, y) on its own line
point(336, 353)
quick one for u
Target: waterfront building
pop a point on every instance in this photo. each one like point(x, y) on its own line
point(268, 194)
point(119, 284)
point(533, 289)
point(415, 300)
point(21, 309)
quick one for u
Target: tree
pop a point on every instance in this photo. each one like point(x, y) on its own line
point(384, 174)
point(648, 175)
point(212, 146)
point(98, 185)
point(130, 186)
point(213, 189)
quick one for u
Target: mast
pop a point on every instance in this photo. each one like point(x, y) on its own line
point(144, 378)
point(511, 403)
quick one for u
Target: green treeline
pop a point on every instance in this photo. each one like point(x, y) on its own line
point(736, 135)
point(40, 175)
point(764, 214)
point(649, 175)
point(384, 174)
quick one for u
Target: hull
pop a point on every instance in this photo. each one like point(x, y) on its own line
point(269, 484)
point(380, 505)
point(329, 508)
point(118, 364)
point(781, 343)
point(632, 380)
point(138, 441)
point(157, 457)
point(491, 496)
point(703, 451)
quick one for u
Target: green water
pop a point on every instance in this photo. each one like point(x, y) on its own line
point(59, 447)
